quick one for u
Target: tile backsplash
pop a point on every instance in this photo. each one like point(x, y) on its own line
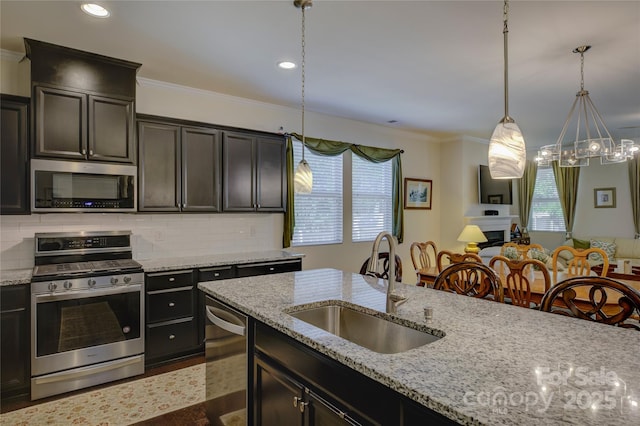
point(154, 236)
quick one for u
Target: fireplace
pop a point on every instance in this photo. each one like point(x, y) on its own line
point(497, 229)
point(494, 239)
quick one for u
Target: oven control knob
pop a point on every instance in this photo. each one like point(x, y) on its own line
point(127, 279)
point(67, 285)
point(91, 282)
point(53, 287)
point(114, 281)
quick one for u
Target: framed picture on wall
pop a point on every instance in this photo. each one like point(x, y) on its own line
point(604, 197)
point(417, 193)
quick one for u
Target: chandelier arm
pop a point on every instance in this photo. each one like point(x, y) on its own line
point(566, 125)
point(582, 110)
point(598, 119)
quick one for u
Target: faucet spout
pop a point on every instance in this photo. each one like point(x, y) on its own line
point(393, 300)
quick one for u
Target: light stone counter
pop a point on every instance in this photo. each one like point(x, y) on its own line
point(158, 265)
point(23, 276)
point(497, 364)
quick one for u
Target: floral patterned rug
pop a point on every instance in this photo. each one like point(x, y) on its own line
point(117, 405)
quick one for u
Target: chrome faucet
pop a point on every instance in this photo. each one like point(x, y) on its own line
point(393, 300)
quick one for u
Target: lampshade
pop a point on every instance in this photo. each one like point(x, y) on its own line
point(472, 234)
point(303, 179)
point(507, 151)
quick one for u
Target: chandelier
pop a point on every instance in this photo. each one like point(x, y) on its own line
point(592, 138)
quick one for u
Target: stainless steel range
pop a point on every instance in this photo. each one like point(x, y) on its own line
point(87, 311)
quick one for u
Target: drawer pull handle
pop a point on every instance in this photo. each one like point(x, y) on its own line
point(172, 336)
point(171, 304)
point(217, 274)
point(272, 268)
point(172, 279)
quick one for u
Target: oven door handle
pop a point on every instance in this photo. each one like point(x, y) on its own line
point(88, 370)
point(79, 294)
point(224, 324)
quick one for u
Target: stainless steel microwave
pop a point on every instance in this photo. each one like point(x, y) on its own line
point(75, 186)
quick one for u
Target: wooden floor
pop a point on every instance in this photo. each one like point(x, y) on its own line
point(194, 415)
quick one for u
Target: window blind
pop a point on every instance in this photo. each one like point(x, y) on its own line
point(546, 211)
point(318, 216)
point(372, 202)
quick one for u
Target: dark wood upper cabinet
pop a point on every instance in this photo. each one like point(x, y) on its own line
point(254, 176)
point(14, 155)
point(83, 104)
point(179, 168)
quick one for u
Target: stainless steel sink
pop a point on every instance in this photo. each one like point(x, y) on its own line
point(373, 332)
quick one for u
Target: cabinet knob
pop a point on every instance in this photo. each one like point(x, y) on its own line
point(171, 304)
point(216, 274)
point(84, 151)
point(172, 336)
point(90, 152)
point(271, 268)
point(172, 279)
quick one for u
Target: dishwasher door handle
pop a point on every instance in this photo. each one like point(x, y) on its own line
point(215, 318)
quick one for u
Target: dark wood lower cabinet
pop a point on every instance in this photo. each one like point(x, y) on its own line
point(299, 385)
point(14, 349)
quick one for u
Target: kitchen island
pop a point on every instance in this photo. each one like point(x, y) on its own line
point(496, 364)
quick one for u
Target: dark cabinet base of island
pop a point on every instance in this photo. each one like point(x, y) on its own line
point(296, 385)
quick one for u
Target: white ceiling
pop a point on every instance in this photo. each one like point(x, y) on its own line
point(434, 66)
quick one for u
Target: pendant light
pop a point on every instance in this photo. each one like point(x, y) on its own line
point(303, 178)
point(507, 151)
point(592, 138)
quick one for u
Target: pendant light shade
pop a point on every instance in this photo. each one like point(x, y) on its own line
point(507, 150)
point(303, 178)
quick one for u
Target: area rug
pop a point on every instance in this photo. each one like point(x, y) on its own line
point(118, 405)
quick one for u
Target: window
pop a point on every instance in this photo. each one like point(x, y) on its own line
point(318, 216)
point(372, 198)
point(546, 211)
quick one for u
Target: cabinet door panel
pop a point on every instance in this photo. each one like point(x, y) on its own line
point(159, 165)
point(14, 156)
point(271, 178)
point(238, 169)
point(275, 396)
point(111, 135)
point(61, 117)
point(200, 170)
point(14, 351)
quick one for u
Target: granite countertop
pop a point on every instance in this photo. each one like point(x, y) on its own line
point(497, 364)
point(204, 261)
point(23, 276)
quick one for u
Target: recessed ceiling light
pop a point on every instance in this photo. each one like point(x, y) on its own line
point(286, 65)
point(95, 10)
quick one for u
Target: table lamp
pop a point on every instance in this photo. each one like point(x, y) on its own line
point(472, 235)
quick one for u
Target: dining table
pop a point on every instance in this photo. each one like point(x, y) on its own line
point(537, 283)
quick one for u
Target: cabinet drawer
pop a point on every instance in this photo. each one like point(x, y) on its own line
point(216, 273)
point(266, 268)
point(15, 297)
point(171, 279)
point(163, 305)
point(172, 337)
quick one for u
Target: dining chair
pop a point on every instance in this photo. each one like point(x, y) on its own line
point(472, 278)
point(383, 257)
point(594, 298)
point(451, 258)
point(421, 259)
point(579, 265)
point(517, 276)
point(521, 249)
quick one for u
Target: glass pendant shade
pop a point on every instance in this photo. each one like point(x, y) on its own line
point(303, 178)
point(507, 152)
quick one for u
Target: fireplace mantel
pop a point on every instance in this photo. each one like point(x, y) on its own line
point(492, 223)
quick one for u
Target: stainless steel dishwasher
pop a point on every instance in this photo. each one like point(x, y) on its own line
point(226, 364)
